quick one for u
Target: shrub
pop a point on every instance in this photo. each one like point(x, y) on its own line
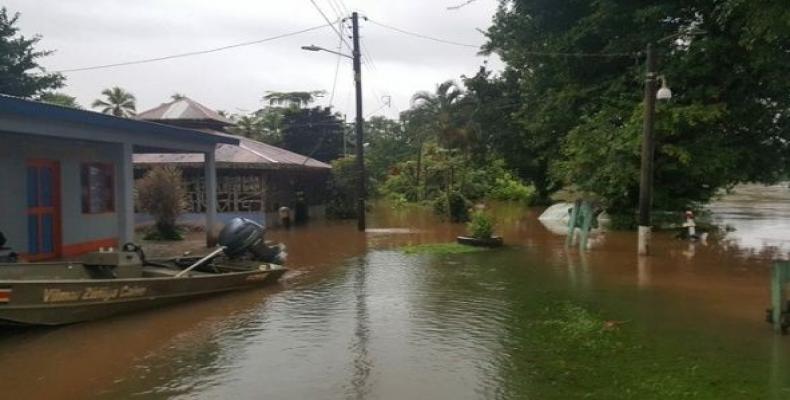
point(342, 189)
point(481, 226)
point(507, 187)
point(161, 193)
point(452, 205)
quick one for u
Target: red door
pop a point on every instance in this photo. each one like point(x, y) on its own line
point(43, 209)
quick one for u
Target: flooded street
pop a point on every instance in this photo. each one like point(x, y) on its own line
point(359, 318)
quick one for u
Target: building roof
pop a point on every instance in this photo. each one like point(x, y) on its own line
point(33, 110)
point(247, 154)
point(184, 109)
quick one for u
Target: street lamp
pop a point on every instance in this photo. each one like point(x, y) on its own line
point(663, 93)
point(648, 144)
point(646, 173)
point(313, 47)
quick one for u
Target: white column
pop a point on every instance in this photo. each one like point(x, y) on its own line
point(211, 197)
point(126, 198)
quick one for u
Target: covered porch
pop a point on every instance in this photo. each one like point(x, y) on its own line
point(68, 176)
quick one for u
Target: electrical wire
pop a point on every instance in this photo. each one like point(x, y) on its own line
point(331, 24)
point(377, 110)
point(192, 53)
point(338, 14)
point(535, 53)
point(422, 36)
point(337, 68)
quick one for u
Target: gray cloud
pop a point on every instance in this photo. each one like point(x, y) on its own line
point(91, 32)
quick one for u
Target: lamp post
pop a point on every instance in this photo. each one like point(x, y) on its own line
point(360, 160)
point(648, 149)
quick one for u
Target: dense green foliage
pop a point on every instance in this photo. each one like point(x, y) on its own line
point(578, 119)
point(343, 189)
point(60, 99)
point(444, 156)
point(481, 225)
point(314, 132)
point(288, 122)
point(20, 73)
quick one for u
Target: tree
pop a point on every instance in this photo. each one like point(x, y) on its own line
point(20, 73)
point(388, 145)
point(264, 125)
point(443, 106)
point(117, 102)
point(313, 132)
point(292, 99)
point(579, 73)
point(60, 99)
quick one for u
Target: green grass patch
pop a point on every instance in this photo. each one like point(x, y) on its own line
point(441, 248)
point(568, 351)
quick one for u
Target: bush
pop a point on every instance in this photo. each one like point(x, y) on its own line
point(161, 193)
point(342, 189)
point(481, 225)
point(507, 187)
point(452, 205)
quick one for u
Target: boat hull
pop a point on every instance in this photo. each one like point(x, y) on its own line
point(59, 302)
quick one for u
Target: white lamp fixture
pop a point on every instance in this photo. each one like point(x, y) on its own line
point(663, 93)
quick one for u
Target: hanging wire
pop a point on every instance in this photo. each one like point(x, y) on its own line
point(337, 67)
point(331, 24)
point(536, 53)
point(192, 53)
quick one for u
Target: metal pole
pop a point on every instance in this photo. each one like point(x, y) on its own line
point(646, 178)
point(358, 125)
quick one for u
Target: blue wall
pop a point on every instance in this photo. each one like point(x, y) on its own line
point(15, 150)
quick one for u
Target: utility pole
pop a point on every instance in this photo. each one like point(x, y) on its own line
point(359, 125)
point(646, 178)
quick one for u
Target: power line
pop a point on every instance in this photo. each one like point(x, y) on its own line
point(534, 53)
point(377, 110)
point(338, 14)
point(191, 53)
point(331, 24)
point(420, 35)
point(337, 66)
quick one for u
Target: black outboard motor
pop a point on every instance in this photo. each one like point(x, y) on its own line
point(243, 237)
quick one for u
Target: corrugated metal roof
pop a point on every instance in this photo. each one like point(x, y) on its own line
point(183, 109)
point(248, 153)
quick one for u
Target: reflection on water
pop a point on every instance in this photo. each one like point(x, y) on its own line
point(367, 321)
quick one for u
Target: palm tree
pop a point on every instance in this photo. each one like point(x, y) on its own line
point(442, 107)
point(438, 114)
point(117, 102)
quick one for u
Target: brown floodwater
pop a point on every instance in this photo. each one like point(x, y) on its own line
point(357, 318)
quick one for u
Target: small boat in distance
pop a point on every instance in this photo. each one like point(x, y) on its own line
point(106, 283)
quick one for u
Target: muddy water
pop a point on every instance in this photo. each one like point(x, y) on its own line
point(360, 319)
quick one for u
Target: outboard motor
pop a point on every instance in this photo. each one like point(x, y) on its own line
point(243, 237)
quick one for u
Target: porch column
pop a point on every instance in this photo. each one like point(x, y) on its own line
point(211, 197)
point(126, 198)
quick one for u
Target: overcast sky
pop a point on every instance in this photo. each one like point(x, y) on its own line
point(92, 32)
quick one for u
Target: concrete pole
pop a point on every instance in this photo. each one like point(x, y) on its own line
point(126, 206)
point(360, 158)
point(210, 171)
point(646, 178)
